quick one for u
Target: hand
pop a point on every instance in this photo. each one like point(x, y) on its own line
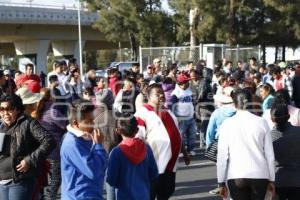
point(271, 188)
point(223, 192)
point(98, 137)
point(22, 167)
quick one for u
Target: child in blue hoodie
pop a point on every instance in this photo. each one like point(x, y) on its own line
point(83, 158)
point(131, 165)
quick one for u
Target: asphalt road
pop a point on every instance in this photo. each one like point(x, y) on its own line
point(194, 181)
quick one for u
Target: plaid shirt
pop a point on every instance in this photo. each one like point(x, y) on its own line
point(286, 83)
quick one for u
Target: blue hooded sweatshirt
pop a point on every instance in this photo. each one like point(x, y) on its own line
point(215, 121)
point(131, 168)
point(83, 166)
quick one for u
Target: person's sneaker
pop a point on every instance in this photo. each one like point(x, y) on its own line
point(215, 191)
point(192, 153)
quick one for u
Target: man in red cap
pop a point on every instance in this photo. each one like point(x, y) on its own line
point(183, 108)
point(29, 75)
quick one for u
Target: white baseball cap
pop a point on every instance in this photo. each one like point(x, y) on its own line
point(225, 97)
point(6, 72)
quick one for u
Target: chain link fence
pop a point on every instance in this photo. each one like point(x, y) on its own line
point(209, 52)
point(169, 55)
point(242, 53)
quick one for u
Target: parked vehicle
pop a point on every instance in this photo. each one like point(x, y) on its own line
point(122, 66)
point(101, 72)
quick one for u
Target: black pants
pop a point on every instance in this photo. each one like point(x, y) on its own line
point(163, 186)
point(290, 193)
point(248, 189)
point(54, 180)
point(297, 103)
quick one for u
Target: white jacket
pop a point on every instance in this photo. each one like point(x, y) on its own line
point(153, 132)
point(245, 148)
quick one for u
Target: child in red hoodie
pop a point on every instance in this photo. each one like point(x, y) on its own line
point(131, 165)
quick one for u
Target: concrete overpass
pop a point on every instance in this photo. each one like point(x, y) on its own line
point(36, 30)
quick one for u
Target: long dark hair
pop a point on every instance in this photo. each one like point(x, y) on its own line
point(242, 99)
point(40, 109)
point(280, 116)
point(282, 97)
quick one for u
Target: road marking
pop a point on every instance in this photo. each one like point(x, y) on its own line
point(208, 163)
point(202, 163)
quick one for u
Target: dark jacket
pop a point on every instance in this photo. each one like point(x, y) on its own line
point(287, 158)
point(52, 121)
point(168, 89)
point(296, 90)
point(205, 89)
point(29, 141)
point(124, 104)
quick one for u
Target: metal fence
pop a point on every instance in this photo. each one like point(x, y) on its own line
point(242, 53)
point(209, 52)
point(168, 55)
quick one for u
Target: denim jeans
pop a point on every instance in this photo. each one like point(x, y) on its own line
point(17, 191)
point(188, 130)
point(110, 191)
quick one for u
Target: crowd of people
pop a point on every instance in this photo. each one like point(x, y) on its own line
point(125, 132)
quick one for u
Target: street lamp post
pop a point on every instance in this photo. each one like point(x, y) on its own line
point(30, 2)
point(79, 38)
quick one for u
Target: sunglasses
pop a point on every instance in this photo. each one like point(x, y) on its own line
point(7, 109)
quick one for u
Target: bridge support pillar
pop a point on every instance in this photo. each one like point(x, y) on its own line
point(66, 49)
point(36, 51)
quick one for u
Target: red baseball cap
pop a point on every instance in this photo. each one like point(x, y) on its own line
point(183, 78)
point(33, 86)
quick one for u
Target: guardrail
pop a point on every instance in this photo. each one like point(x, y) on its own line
point(36, 5)
point(44, 15)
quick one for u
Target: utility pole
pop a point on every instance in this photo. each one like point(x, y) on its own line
point(79, 37)
point(192, 21)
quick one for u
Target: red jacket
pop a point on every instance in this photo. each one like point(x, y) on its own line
point(114, 84)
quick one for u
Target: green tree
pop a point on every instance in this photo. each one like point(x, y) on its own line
point(90, 60)
point(106, 56)
point(181, 19)
point(139, 22)
point(228, 22)
point(289, 13)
